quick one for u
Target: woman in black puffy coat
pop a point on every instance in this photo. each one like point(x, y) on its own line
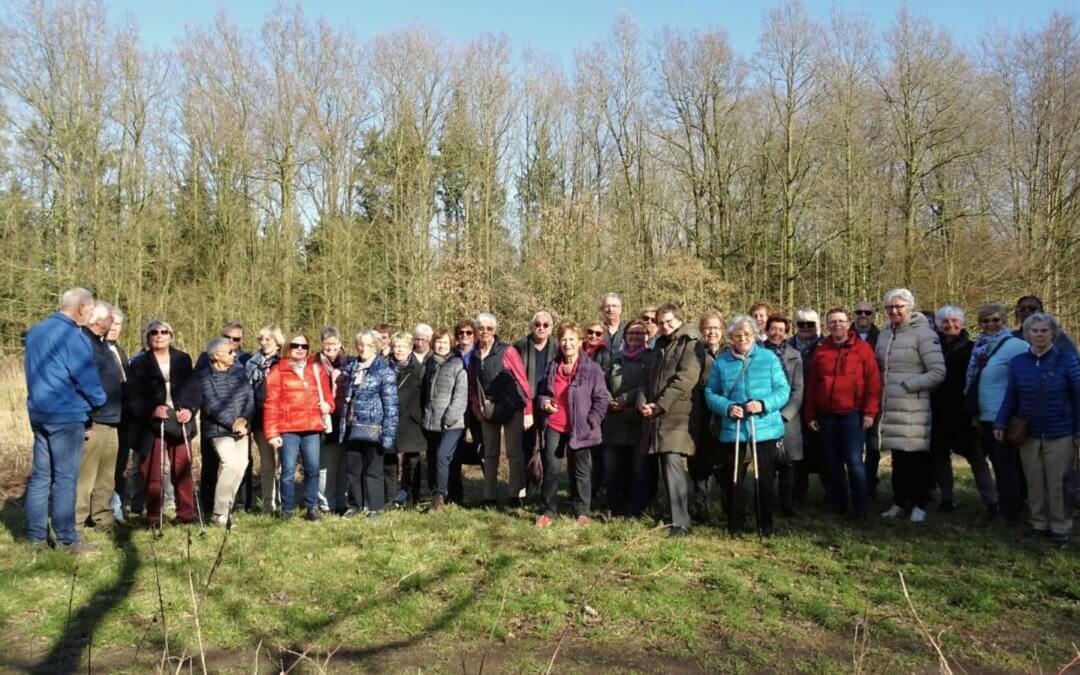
point(228, 404)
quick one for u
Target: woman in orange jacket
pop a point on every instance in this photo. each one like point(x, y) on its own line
point(299, 401)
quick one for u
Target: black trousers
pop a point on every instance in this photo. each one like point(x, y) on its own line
point(364, 467)
point(745, 487)
point(579, 468)
point(624, 477)
point(412, 472)
point(911, 478)
point(705, 473)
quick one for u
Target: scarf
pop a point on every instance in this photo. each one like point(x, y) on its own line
point(591, 350)
point(952, 345)
point(776, 349)
point(633, 354)
point(980, 354)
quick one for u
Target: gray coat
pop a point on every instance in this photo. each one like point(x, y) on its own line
point(792, 363)
point(911, 365)
point(673, 373)
point(445, 393)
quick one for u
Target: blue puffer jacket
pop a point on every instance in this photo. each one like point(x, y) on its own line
point(226, 396)
point(371, 404)
point(764, 381)
point(1046, 390)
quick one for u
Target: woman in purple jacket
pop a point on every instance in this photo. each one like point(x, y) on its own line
point(575, 399)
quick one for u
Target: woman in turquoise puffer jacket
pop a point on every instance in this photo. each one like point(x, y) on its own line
point(748, 382)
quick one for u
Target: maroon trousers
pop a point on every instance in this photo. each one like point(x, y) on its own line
point(180, 470)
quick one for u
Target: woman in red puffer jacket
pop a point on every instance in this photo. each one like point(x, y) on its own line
point(298, 395)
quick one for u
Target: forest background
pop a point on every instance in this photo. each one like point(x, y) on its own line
point(299, 175)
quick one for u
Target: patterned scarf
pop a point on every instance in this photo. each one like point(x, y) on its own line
point(980, 354)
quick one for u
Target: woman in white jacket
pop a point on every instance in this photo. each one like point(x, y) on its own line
point(912, 364)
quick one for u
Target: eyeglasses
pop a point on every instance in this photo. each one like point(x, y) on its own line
point(636, 333)
point(806, 324)
point(297, 345)
point(485, 329)
point(421, 339)
point(864, 312)
point(649, 319)
point(542, 325)
point(896, 308)
point(462, 333)
point(594, 333)
point(161, 331)
point(233, 338)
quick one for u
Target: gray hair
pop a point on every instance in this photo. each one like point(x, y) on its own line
point(741, 320)
point(1041, 317)
point(539, 313)
point(992, 308)
point(949, 312)
point(402, 337)
point(807, 314)
point(330, 332)
point(423, 330)
point(610, 296)
point(218, 344)
point(902, 293)
point(74, 298)
point(367, 334)
point(117, 315)
point(101, 311)
point(489, 317)
point(155, 323)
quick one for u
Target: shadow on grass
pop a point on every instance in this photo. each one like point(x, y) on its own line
point(493, 572)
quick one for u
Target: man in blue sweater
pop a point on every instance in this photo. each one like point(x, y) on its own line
point(63, 387)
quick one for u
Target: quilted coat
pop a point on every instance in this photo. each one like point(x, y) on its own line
point(911, 364)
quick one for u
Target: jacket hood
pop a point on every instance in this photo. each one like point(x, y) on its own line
point(917, 320)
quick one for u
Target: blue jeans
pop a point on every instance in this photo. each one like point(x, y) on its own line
point(57, 455)
point(441, 449)
point(842, 439)
point(307, 445)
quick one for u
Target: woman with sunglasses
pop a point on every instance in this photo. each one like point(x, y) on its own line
point(271, 341)
point(164, 398)
point(647, 317)
point(298, 395)
point(986, 380)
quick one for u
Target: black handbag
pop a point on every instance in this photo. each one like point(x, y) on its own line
point(174, 430)
point(499, 404)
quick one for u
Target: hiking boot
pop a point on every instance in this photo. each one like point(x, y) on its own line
point(676, 532)
point(918, 515)
point(893, 512)
point(312, 515)
point(438, 503)
point(77, 548)
point(544, 521)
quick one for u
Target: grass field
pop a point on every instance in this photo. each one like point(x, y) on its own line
point(479, 591)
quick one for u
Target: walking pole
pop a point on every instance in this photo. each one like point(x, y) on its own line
point(757, 476)
point(735, 477)
point(194, 485)
point(161, 485)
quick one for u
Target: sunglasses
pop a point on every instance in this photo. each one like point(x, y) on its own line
point(805, 324)
point(462, 333)
point(233, 338)
point(864, 312)
point(594, 333)
point(649, 319)
point(542, 325)
point(161, 331)
point(298, 345)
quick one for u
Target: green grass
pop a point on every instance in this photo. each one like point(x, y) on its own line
point(441, 592)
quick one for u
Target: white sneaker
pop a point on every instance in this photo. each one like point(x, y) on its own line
point(917, 515)
point(893, 512)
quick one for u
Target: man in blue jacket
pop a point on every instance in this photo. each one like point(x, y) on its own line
point(63, 387)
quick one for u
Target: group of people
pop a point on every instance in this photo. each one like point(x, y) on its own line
point(750, 408)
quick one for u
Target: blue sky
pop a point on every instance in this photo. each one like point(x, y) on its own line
point(557, 27)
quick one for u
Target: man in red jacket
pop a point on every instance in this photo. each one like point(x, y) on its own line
point(843, 396)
